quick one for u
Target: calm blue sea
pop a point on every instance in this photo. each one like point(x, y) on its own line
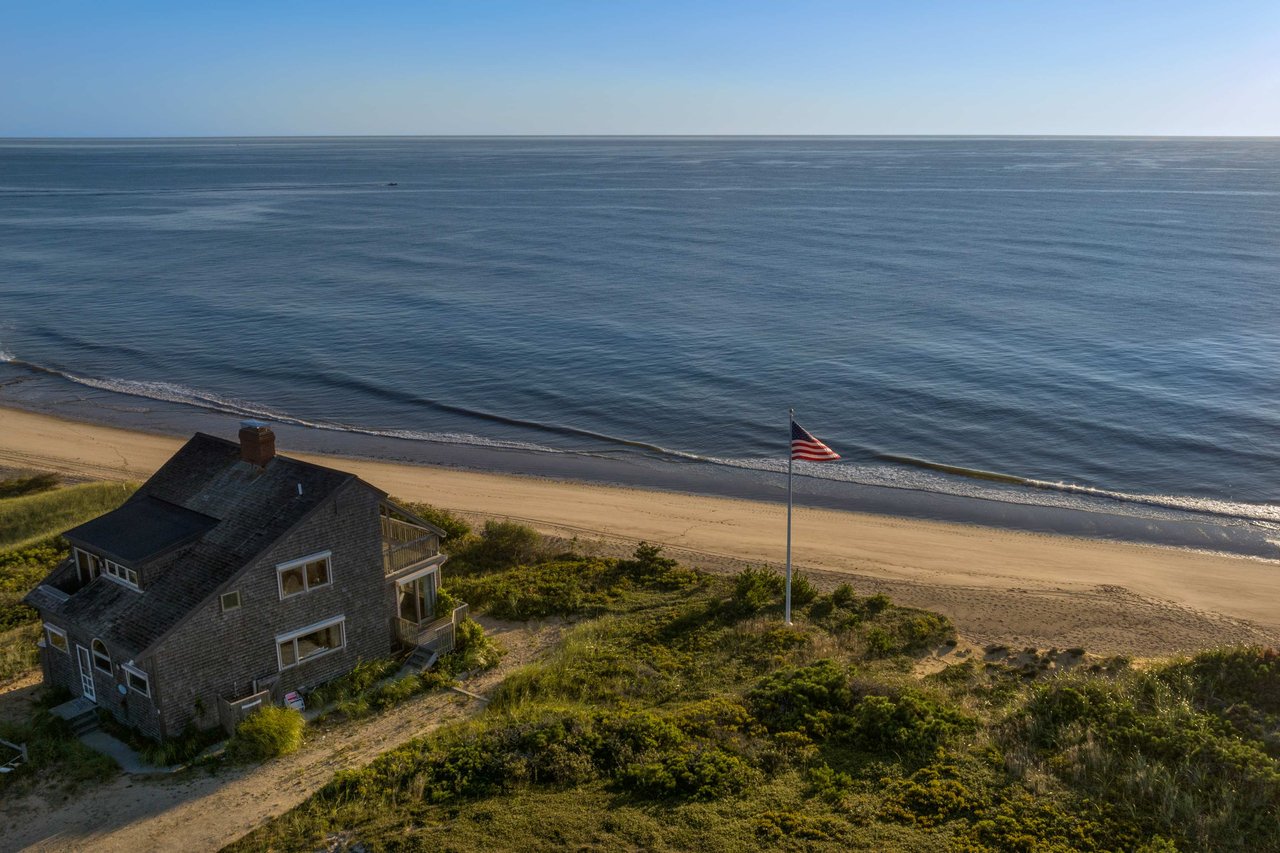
point(1098, 317)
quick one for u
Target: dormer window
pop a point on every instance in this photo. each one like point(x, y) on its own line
point(304, 575)
point(124, 574)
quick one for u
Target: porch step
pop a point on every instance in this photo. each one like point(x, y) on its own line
point(80, 713)
point(422, 659)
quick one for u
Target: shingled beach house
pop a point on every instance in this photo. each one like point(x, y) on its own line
point(232, 578)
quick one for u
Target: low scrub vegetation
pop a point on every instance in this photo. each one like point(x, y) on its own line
point(684, 715)
point(569, 586)
point(54, 754)
point(373, 686)
point(267, 733)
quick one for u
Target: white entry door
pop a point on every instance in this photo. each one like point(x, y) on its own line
point(86, 674)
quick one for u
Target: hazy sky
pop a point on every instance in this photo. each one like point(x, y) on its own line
point(223, 67)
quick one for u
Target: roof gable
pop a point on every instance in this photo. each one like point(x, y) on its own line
point(231, 510)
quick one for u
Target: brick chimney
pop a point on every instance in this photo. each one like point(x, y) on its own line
point(257, 442)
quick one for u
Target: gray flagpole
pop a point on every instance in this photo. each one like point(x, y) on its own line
point(791, 418)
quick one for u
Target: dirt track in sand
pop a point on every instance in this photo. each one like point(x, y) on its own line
point(196, 811)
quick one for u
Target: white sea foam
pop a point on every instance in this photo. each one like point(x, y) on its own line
point(1029, 491)
point(883, 474)
point(171, 392)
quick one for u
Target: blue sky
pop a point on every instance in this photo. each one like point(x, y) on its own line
point(474, 67)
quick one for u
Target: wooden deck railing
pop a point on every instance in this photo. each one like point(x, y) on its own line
point(439, 635)
point(404, 544)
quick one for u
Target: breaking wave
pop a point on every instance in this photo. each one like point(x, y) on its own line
point(884, 470)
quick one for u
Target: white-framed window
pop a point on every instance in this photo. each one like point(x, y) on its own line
point(230, 600)
point(101, 657)
point(137, 680)
point(57, 638)
point(304, 575)
point(124, 574)
point(311, 642)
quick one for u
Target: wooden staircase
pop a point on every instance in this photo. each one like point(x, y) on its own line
point(422, 659)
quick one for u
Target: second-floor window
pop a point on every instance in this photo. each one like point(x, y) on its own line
point(304, 575)
point(121, 573)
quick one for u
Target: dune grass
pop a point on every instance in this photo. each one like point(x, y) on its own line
point(29, 518)
point(684, 715)
point(29, 484)
point(30, 548)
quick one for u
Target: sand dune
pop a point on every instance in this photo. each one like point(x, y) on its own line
point(997, 586)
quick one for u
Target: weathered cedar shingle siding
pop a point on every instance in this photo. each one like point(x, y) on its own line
point(215, 654)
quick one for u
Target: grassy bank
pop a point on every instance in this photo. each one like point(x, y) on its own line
point(30, 521)
point(683, 714)
point(28, 518)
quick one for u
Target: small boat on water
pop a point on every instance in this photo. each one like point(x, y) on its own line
point(392, 184)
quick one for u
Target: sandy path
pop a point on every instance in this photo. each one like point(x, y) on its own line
point(198, 812)
point(996, 585)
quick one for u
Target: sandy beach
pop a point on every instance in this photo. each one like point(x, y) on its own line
point(998, 586)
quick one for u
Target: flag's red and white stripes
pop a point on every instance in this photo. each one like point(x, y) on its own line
point(805, 446)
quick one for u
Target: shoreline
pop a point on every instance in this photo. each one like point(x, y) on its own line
point(901, 491)
point(997, 585)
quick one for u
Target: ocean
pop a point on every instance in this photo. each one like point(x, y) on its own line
point(1093, 321)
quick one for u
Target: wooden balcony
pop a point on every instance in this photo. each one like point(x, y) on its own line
point(405, 545)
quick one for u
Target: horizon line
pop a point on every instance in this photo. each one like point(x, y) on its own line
point(87, 138)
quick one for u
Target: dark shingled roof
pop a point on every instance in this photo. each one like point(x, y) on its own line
point(141, 530)
point(247, 508)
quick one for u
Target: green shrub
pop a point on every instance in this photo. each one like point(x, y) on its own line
point(911, 724)
point(813, 699)
point(843, 596)
point(473, 649)
point(501, 544)
point(455, 529)
point(776, 826)
point(268, 733)
point(802, 590)
point(931, 796)
point(445, 603)
point(359, 680)
point(648, 568)
point(695, 773)
point(829, 784)
point(755, 589)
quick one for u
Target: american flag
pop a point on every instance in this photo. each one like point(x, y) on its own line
point(805, 446)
